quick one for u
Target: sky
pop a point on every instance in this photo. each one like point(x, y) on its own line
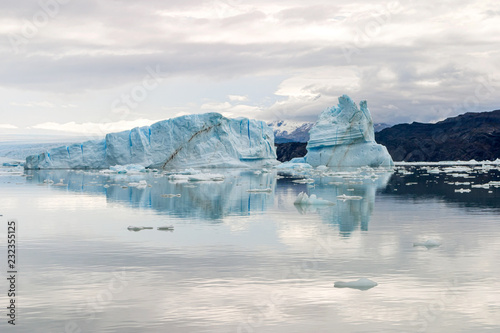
point(74, 66)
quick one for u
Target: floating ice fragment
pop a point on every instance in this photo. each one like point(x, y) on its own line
point(304, 181)
point(361, 284)
point(259, 190)
point(457, 169)
point(430, 243)
point(140, 184)
point(304, 199)
point(128, 168)
point(170, 195)
point(168, 227)
point(349, 197)
point(133, 228)
point(206, 177)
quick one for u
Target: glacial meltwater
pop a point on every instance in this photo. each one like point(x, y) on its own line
point(414, 250)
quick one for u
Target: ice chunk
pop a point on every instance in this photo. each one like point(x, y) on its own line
point(260, 190)
point(294, 165)
point(140, 184)
point(206, 177)
point(304, 199)
point(128, 168)
point(304, 181)
point(361, 284)
point(349, 197)
point(430, 243)
point(457, 169)
point(168, 227)
point(191, 141)
point(133, 228)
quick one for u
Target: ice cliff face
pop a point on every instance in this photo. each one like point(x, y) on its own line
point(343, 136)
point(192, 141)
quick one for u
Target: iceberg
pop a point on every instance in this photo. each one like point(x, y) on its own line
point(343, 136)
point(207, 140)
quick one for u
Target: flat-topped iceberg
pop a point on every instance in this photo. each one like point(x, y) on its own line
point(343, 136)
point(192, 141)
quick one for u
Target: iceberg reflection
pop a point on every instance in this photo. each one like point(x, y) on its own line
point(352, 192)
point(240, 193)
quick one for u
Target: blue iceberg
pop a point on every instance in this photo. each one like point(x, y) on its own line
point(343, 136)
point(207, 140)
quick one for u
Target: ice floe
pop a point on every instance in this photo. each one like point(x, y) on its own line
point(304, 199)
point(361, 284)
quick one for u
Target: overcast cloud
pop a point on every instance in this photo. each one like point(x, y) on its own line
point(76, 65)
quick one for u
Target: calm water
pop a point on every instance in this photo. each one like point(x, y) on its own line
point(254, 262)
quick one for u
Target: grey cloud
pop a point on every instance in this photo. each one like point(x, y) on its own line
point(132, 36)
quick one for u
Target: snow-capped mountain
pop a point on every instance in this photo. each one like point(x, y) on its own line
point(290, 131)
point(294, 131)
point(380, 126)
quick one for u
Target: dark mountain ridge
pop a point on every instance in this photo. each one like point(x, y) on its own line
point(473, 135)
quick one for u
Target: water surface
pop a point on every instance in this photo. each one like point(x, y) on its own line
point(254, 262)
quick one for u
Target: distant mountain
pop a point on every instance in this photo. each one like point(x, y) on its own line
point(380, 126)
point(293, 131)
point(290, 131)
point(474, 135)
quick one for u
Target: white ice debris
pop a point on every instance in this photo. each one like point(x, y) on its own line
point(430, 243)
point(128, 168)
point(168, 227)
point(453, 163)
point(304, 199)
point(196, 177)
point(361, 284)
point(349, 197)
point(140, 184)
point(294, 164)
point(304, 181)
point(206, 177)
point(260, 190)
point(487, 185)
point(457, 169)
point(133, 228)
point(178, 195)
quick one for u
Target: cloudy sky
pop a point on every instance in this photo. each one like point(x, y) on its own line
point(99, 66)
